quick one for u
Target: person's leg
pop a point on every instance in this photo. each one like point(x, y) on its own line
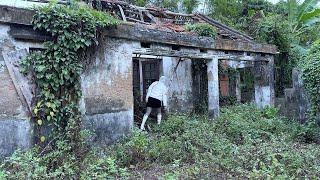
point(159, 116)
point(145, 117)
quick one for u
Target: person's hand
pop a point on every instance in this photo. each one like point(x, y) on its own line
point(146, 100)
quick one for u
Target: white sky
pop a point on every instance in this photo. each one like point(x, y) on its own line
point(273, 1)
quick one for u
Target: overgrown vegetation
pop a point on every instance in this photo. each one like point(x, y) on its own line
point(35, 164)
point(202, 29)
point(311, 77)
point(244, 142)
point(56, 73)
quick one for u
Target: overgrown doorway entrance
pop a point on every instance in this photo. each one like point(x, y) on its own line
point(247, 85)
point(200, 86)
point(145, 72)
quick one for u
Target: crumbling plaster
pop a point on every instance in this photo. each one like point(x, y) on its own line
point(15, 127)
point(179, 83)
point(107, 90)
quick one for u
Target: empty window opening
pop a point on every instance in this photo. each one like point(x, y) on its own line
point(32, 50)
point(145, 45)
point(176, 47)
point(203, 50)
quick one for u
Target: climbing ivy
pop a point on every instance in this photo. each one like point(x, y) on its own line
point(311, 77)
point(56, 70)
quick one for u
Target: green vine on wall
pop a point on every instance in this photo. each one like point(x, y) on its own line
point(56, 70)
point(311, 77)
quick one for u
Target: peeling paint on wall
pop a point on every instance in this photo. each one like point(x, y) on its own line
point(108, 91)
point(14, 134)
point(109, 127)
point(179, 83)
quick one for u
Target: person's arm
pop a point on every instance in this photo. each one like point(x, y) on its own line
point(149, 91)
point(164, 97)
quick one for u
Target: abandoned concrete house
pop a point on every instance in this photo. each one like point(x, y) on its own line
point(150, 42)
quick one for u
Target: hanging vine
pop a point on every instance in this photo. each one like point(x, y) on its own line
point(56, 70)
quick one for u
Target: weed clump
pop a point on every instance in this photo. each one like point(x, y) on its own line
point(243, 142)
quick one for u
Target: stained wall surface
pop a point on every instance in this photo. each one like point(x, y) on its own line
point(107, 90)
point(179, 84)
point(15, 127)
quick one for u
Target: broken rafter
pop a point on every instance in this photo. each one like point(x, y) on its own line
point(172, 53)
point(122, 13)
point(135, 20)
point(193, 55)
point(224, 27)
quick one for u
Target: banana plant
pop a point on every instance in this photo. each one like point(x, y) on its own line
point(302, 15)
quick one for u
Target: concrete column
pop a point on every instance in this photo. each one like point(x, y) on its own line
point(238, 86)
point(264, 82)
point(179, 84)
point(213, 88)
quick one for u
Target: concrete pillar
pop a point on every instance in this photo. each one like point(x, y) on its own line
point(179, 84)
point(264, 82)
point(213, 88)
point(238, 86)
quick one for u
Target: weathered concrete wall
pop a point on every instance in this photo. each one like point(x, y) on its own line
point(14, 134)
point(179, 83)
point(264, 82)
point(15, 128)
point(213, 87)
point(107, 90)
point(11, 105)
point(295, 103)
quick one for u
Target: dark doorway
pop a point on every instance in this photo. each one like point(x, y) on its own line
point(227, 84)
point(200, 86)
point(145, 72)
point(247, 85)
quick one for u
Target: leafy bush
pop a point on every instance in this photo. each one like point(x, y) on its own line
point(311, 77)
point(59, 164)
point(271, 30)
point(133, 150)
point(202, 29)
point(227, 100)
point(243, 142)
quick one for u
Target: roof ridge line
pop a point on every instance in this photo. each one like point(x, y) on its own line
point(216, 23)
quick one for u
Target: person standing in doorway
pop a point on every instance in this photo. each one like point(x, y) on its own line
point(156, 98)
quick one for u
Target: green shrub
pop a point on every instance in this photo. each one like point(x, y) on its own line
point(59, 164)
point(97, 167)
point(24, 166)
point(311, 77)
point(202, 29)
point(131, 150)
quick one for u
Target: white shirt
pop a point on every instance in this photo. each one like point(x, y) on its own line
point(158, 90)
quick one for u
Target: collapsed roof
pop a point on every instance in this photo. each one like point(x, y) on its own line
point(145, 24)
point(164, 19)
